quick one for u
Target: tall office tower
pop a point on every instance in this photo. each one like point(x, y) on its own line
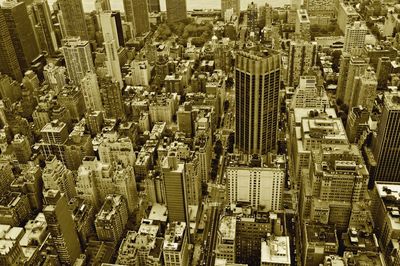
point(228, 4)
point(55, 76)
point(302, 29)
point(78, 58)
point(111, 44)
point(302, 56)
point(111, 26)
point(137, 12)
point(252, 17)
point(364, 90)
point(343, 72)
point(57, 177)
point(8, 56)
point(175, 188)
point(383, 71)
point(73, 23)
point(255, 184)
point(351, 68)
point(111, 97)
point(357, 123)
point(102, 5)
point(112, 218)
point(354, 37)
point(176, 10)
point(125, 185)
point(154, 6)
point(61, 227)
point(21, 32)
point(91, 92)
point(175, 249)
point(337, 179)
point(385, 147)
point(257, 78)
point(44, 27)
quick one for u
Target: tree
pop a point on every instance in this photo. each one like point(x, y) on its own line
point(336, 60)
point(231, 142)
point(226, 106)
point(218, 148)
point(204, 188)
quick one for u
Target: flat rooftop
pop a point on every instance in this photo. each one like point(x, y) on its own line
point(276, 251)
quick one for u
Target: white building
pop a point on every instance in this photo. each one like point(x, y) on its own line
point(261, 187)
point(355, 36)
point(275, 251)
point(91, 92)
point(78, 58)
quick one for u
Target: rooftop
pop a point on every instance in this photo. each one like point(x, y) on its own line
point(227, 227)
point(390, 195)
point(174, 236)
point(321, 234)
point(110, 207)
point(276, 250)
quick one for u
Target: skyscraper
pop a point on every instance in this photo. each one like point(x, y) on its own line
point(111, 25)
point(73, 22)
point(257, 77)
point(78, 58)
point(111, 97)
point(228, 4)
point(111, 44)
point(44, 27)
point(137, 12)
point(102, 5)
point(350, 68)
point(386, 148)
point(91, 92)
point(176, 10)
point(355, 36)
point(175, 189)
point(8, 57)
point(21, 33)
point(252, 17)
point(154, 6)
point(61, 227)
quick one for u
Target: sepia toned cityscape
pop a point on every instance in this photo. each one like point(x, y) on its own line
point(200, 132)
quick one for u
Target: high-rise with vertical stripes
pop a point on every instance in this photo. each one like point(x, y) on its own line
point(73, 22)
point(176, 10)
point(257, 77)
point(386, 145)
point(137, 12)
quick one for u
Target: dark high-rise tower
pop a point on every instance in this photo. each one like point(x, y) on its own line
point(386, 148)
point(228, 4)
point(44, 26)
point(154, 6)
point(137, 12)
point(8, 58)
point(257, 77)
point(73, 22)
point(61, 226)
point(176, 10)
point(21, 32)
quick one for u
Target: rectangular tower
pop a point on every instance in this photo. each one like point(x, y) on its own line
point(386, 148)
point(137, 12)
point(21, 33)
point(73, 22)
point(176, 10)
point(257, 79)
